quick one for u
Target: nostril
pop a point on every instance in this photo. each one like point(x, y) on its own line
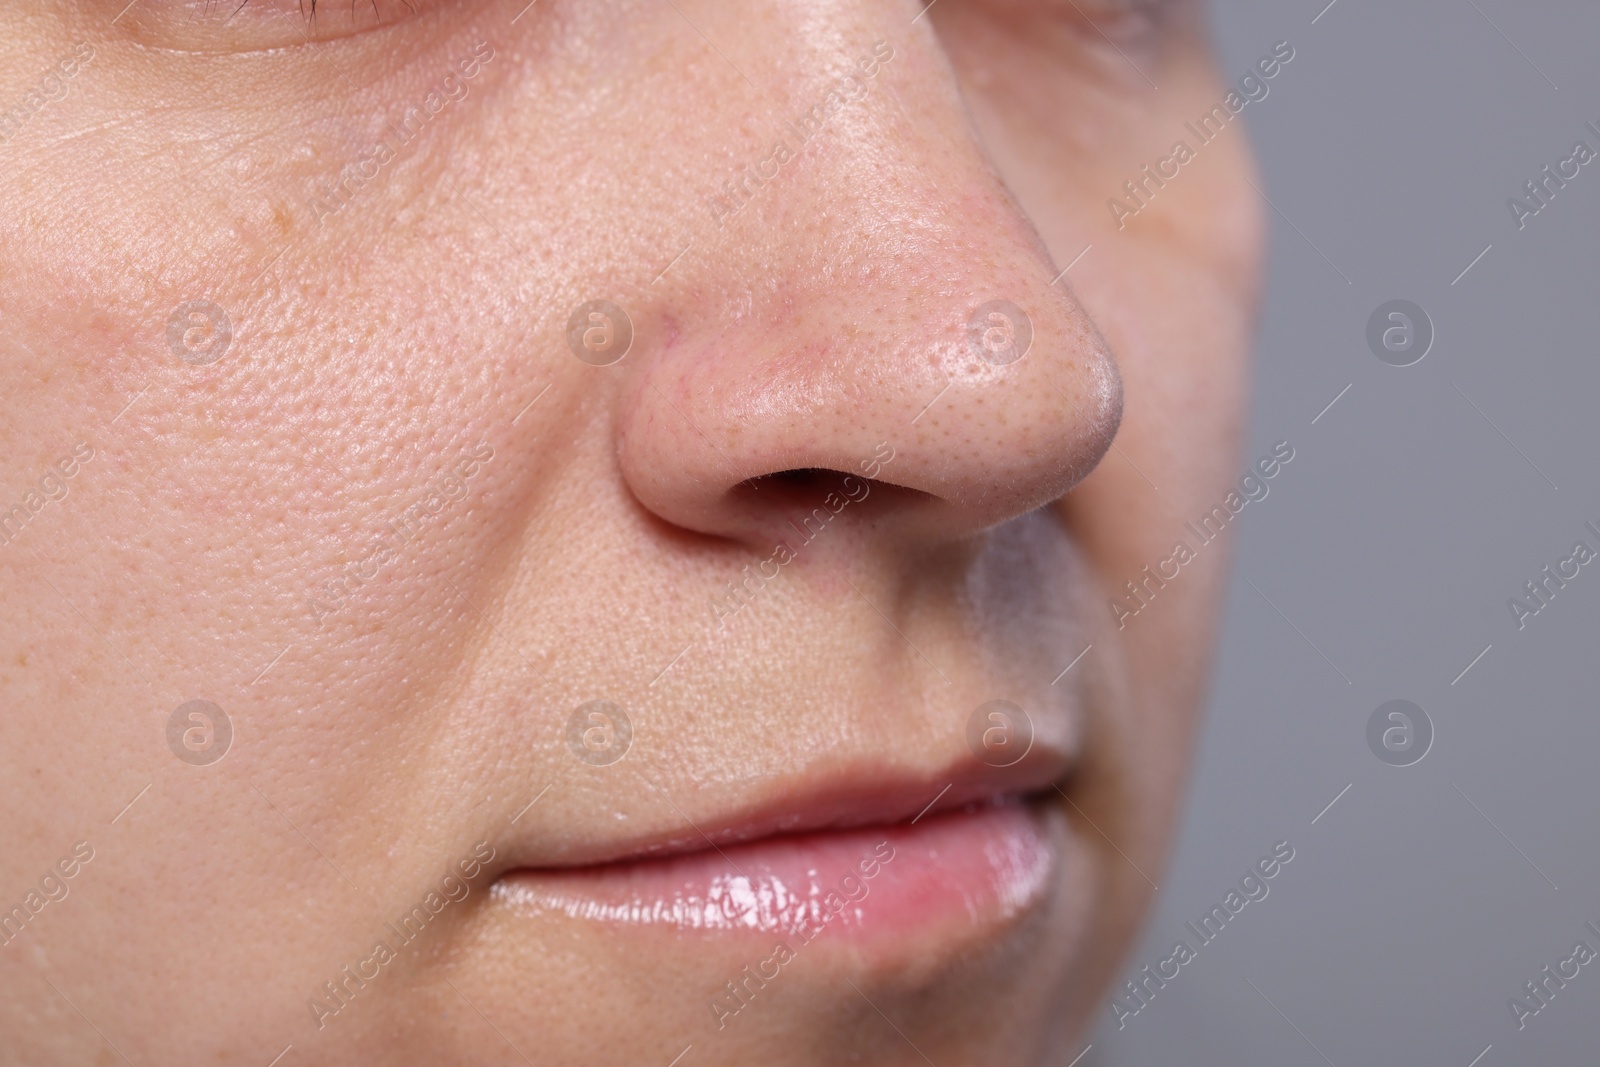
point(799, 478)
point(800, 485)
point(810, 487)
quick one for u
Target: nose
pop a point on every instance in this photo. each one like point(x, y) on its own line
point(877, 307)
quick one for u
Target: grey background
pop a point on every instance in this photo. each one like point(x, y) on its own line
point(1392, 541)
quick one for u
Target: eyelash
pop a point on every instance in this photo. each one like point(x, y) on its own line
point(308, 10)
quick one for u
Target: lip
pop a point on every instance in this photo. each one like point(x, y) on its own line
point(970, 869)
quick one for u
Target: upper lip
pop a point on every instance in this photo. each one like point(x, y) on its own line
point(806, 802)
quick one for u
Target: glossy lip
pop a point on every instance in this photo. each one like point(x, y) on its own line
point(972, 870)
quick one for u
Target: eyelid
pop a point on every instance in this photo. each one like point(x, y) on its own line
point(1123, 17)
point(232, 26)
point(1128, 21)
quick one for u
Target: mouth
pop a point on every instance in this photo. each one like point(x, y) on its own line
point(873, 850)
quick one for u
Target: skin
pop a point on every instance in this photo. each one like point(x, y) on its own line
point(381, 732)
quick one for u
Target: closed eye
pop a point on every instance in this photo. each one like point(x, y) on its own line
point(218, 26)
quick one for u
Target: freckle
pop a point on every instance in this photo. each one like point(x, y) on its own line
point(281, 217)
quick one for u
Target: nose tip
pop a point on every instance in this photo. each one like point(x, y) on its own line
point(978, 407)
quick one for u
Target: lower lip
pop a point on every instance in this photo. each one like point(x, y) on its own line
point(969, 868)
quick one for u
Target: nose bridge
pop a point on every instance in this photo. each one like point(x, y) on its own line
point(871, 283)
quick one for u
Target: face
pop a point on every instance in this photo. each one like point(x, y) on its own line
point(588, 533)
